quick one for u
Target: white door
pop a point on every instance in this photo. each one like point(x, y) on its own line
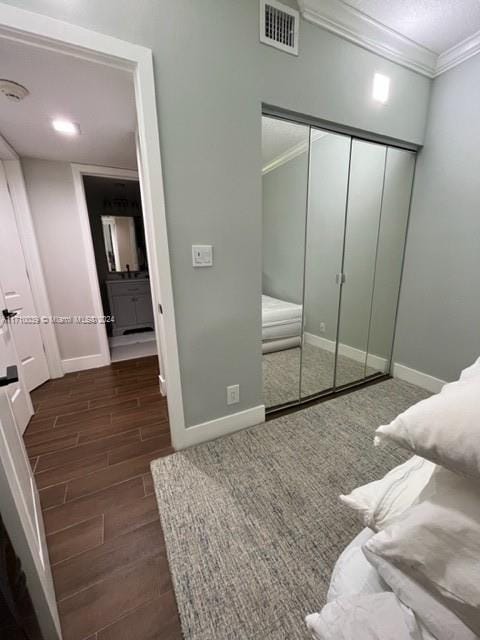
point(18, 295)
point(19, 502)
point(17, 393)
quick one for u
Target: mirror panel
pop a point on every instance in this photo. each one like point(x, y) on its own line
point(397, 190)
point(284, 187)
point(361, 233)
point(327, 198)
point(120, 243)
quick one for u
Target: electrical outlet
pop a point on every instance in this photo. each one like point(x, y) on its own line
point(323, 327)
point(233, 394)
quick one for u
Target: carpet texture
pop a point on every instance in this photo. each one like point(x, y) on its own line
point(281, 373)
point(252, 521)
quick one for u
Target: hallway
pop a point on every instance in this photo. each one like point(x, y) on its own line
point(90, 443)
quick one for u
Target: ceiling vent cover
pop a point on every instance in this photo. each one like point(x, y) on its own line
point(279, 26)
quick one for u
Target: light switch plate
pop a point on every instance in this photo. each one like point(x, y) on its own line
point(202, 255)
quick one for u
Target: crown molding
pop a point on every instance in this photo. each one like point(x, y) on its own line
point(357, 27)
point(458, 54)
point(292, 153)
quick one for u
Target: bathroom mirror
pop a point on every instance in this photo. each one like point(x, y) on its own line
point(120, 243)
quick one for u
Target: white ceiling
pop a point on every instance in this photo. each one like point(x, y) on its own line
point(279, 136)
point(437, 25)
point(98, 97)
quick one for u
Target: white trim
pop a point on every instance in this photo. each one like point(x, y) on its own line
point(458, 54)
point(359, 28)
point(222, 426)
point(292, 153)
point(418, 378)
point(400, 371)
point(62, 36)
point(373, 360)
point(26, 232)
point(70, 365)
point(78, 171)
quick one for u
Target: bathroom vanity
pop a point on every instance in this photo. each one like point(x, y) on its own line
point(130, 304)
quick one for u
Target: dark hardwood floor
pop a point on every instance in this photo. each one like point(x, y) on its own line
point(90, 443)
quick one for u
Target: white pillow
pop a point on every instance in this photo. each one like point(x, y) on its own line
point(437, 544)
point(380, 502)
point(433, 616)
point(472, 371)
point(444, 428)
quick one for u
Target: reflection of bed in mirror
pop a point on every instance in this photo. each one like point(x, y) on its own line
point(281, 324)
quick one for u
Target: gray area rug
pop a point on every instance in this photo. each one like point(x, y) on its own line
point(252, 521)
point(281, 373)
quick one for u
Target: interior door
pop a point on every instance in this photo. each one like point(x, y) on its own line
point(19, 502)
point(18, 298)
point(17, 393)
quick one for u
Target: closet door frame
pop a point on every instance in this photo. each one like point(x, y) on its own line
point(272, 111)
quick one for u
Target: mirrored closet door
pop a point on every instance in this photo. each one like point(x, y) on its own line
point(285, 149)
point(335, 212)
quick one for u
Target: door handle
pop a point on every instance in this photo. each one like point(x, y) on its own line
point(8, 314)
point(10, 377)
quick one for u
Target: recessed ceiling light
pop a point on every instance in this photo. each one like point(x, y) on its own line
point(381, 88)
point(66, 127)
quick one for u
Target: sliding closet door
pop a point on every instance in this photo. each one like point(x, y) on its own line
point(285, 148)
point(399, 171)
point(327, 198)
point(367, 168)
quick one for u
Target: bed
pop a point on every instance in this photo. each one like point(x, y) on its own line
point(281, 324)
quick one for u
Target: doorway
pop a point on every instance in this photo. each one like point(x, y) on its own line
point(115, 215)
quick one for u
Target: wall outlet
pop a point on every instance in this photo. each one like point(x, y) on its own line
point(323, 327)
point(233, 394)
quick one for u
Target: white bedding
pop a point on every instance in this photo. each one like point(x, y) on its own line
point(377, 616)
point(280, 320)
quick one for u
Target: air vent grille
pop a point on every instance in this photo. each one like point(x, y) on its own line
point(279, 26)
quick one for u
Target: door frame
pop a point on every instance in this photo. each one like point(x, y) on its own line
point(43, 31)
point(78, 171)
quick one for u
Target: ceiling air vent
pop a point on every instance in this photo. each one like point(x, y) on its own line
point(279, 26)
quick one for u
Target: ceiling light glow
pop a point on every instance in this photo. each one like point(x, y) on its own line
point(381, 88)
point(66, 127)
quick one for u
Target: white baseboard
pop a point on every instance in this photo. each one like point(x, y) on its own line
point(400, 371)
point(71, 365)
point(374, 361)
point(220, 427)
point(420, 379)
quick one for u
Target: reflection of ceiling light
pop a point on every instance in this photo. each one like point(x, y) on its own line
point(66, 127)
point(13, 91)
point(381, 88)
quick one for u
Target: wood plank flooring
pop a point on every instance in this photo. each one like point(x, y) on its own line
point(90, 443)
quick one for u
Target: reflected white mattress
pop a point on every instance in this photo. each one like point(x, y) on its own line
point(280, 319)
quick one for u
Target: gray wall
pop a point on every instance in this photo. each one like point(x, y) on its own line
point(283, 232)
point(212, 75)
point(439, 315)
